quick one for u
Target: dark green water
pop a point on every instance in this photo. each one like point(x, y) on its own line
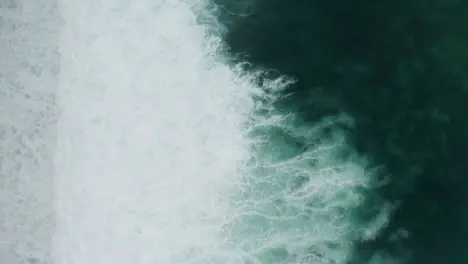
point(400, 68)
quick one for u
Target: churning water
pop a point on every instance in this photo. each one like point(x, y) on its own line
point(163, 152)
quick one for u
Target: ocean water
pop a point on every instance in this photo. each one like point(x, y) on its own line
point(399, 69)
point(130, 136)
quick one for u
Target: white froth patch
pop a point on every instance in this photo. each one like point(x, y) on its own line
point(150, 136)
point(28, 66)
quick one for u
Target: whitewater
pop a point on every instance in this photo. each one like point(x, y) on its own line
point(155, 148)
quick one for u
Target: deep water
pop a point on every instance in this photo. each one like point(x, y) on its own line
point(400, 69)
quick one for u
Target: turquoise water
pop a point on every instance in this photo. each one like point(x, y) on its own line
point(398, 68)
